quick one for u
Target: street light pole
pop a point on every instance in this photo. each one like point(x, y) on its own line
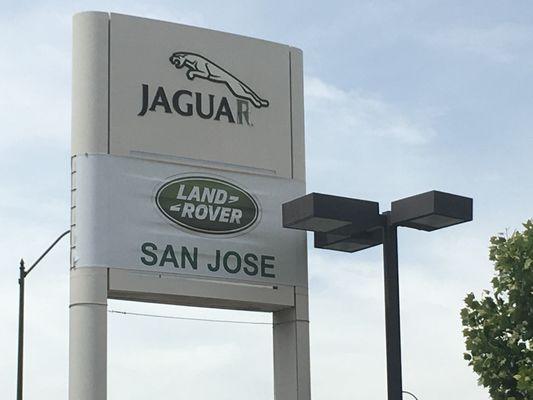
point(392, 309)
point(21, 330)
point(351, 225)
point(22, 277)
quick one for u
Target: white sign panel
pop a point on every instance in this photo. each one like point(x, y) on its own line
point(161, 217)
point(182, 91)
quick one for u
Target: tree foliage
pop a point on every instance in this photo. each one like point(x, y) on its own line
point(498, 327)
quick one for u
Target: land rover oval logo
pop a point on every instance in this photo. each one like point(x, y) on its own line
point(208, 205)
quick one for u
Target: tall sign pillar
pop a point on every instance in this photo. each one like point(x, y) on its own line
point(185, 143)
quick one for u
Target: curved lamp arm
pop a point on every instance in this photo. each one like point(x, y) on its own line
point(46, 252)
point(409, 393)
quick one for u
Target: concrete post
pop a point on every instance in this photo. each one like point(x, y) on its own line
point(292, 379)
point(88, 334)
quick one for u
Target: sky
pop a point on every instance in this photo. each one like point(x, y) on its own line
point(401, 97)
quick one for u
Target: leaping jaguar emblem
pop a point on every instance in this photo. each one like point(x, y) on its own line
point(200, 67)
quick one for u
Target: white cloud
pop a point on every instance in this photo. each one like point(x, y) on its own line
point(366, 115)
point(363, 139)
point(500, 43)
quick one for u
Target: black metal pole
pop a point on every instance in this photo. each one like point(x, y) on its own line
point(392, 311)
point(22, 276)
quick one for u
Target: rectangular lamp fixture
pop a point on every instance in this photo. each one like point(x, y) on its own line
point(355, 242)
point(431, 211)
point(324, 213)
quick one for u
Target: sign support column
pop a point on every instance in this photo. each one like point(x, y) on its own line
point(291, 350)
point(88, 334)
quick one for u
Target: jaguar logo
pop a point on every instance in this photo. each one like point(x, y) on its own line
point(200, 67)
point(186, 103)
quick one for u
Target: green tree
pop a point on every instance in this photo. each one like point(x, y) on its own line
point(498, 327)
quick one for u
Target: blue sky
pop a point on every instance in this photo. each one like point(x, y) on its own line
point(401, 97)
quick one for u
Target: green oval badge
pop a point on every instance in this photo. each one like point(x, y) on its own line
point(208, 205)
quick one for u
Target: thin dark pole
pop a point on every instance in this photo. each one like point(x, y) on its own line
point(392, 311)
point(22, 276)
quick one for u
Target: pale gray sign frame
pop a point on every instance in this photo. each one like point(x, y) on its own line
point(92, 286)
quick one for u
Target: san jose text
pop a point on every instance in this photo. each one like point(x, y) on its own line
point(229, 261)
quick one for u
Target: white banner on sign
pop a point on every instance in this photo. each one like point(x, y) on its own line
point(163, 217)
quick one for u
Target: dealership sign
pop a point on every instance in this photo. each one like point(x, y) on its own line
point(182, 161)
point(185, 144)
